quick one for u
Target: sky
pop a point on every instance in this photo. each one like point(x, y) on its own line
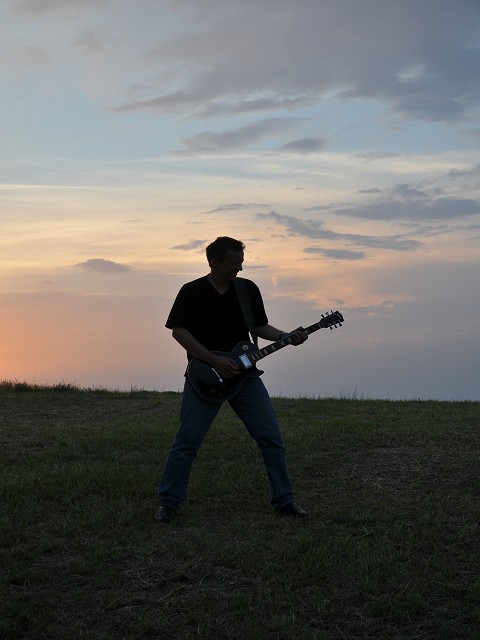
point(338, 139)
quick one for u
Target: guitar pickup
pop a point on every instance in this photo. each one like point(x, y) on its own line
point(244, 359)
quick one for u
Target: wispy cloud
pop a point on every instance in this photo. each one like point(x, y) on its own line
point(253, 105)
point(238, 138)
point(192, 245)
point(336, 254)
point(91, 42)
point(303, 146)
point(235, 206)
point(100, 265)
point(376, 155)
point(407, 202)
point(315, 229)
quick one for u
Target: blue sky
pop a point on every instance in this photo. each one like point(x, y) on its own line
point(339, 139)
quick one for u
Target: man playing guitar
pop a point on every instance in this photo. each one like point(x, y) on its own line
point(207, 320)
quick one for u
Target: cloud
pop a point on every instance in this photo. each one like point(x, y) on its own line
point(316, 230)
point(370, 191)
point(303, 146)
point(213, 142)
point(337, 254)
point(461, 173)
point(190, 246)
point(407, 202)
point(254, 105)
point(371, 156)
point(99, 265)
point(424, 97)
point(91, 42)
point(179, 100)
point(236, 206)
point(425, 68)
point(299, 55)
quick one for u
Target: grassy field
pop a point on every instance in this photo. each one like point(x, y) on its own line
point(390, 551)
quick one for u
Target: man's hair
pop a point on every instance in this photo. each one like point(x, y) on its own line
point(218, 249)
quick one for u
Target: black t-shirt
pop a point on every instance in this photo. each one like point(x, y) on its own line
point(215, 319)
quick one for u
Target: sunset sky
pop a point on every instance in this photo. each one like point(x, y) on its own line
point(339, 139)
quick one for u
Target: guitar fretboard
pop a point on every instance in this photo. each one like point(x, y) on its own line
point(332, 320)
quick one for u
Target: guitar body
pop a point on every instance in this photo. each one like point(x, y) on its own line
point(213, 387)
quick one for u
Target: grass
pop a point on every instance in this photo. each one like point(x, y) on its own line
point(390, 550)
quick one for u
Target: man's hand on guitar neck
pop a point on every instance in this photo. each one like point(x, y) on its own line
point(267, 332)
point(298, 336)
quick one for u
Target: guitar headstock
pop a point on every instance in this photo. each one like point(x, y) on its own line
point(331, 320)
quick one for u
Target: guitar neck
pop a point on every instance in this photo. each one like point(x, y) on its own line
point(279, 344)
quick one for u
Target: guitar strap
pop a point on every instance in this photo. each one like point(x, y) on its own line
point(243, 296)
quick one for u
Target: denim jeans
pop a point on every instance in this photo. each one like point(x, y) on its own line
point(253, 406)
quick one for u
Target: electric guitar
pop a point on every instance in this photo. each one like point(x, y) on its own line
point(213, 387)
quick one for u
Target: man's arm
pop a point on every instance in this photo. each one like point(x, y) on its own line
point(267, 332)
point(225, 366)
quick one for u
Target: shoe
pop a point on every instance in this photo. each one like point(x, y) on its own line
point(165, 514)
point(292, 509)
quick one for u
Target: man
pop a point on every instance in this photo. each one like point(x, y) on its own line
point(206, 317)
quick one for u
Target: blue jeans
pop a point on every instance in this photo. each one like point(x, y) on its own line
point(253, 406)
